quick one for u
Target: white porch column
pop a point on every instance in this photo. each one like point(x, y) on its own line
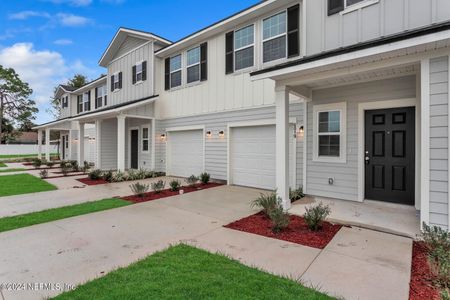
point(153, 140)
point(121, 142)
point(98, 131)
point(70, 138)
point(80, 144)
point(40, 143)
point(282, 145)
point(47, 144)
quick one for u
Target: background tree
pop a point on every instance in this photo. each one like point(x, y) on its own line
point(77, 81)
point(14, 98)
point(8, 133)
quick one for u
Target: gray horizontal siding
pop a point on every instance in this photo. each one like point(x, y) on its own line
point(215, 147)
point(439, 96)
point(346, 174)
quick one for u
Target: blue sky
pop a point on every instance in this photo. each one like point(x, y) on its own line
point(47, 41)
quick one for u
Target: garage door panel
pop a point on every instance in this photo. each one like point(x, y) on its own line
point(185, 153)
point(252, 157)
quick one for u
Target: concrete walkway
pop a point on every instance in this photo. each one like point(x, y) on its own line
point(357, 264)
point(66, 195)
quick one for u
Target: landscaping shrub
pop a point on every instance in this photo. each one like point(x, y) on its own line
point(119, 176)
point(132, 174)
point(174, 185)
point(159, 174)
point(74, 165)
point(65, 170)
point(266, 202)
point(141, 174)
point(315, 215)
point(437, 241)
point(158, 186)
point(50, 164)
point(37, 163)
point(280, 219)
point(43, 174)
point(63, 163)
point(86, 166)
point(205, 177)
point(296, 194)
point(108, 176)
point(191, 180)
point(95, 174)
point(149, 174)
point(139, 189)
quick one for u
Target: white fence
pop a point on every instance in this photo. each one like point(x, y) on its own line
point(24, 149)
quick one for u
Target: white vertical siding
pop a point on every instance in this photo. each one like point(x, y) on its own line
point(129, 44)
point(439, 173)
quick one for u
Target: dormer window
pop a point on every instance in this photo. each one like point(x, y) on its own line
point(193, 65)
point(139, 72)
point(116, 81)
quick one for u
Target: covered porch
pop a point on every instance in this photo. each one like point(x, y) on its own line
point(375, 133)
point(64, 128)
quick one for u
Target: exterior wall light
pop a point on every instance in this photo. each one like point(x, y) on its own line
point(208, 134)
point(163, 137)
point(221, 133)
point(301, 131)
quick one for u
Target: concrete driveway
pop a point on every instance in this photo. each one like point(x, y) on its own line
point(78, 249)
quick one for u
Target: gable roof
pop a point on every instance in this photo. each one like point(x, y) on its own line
point(120, 37)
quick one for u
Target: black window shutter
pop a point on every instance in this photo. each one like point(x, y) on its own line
point(229, 52)
point(144, 70)
point(203, 61)
point(120, 80)
point(78, 103)
point(335, 6)
point(96, 96)
point(293, 31)
point(89, 100)
point(112, 83)
point(167, 74)
point(133, 72)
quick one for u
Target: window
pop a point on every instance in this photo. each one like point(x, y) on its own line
point(351, 2)
point(193, 65)
point(116, 81)
point(329, 132)
point(65, 101)
point(87, 101)
point(139, 72)
point(100, 98)
point(175, 71)
point(274, 37)
point(244, 40)
point(344, 6)
point(145, 139)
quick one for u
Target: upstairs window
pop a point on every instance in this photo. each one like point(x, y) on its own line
point(175, 71)
point(275, 37)
point(193, 65)
point(244, 45)
point(336, 6)
point(145, 139)
point(116, 81)
point(100, 96)
point(87, 101)
point(139, 72)
point(351, 2)
point(65, 101)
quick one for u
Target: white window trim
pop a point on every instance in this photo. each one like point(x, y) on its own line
point(177, 70)
point(243, 48)
point(136, 64)
point(274, 37)
point(102, 97)
point(193, 65)
point(356, 6)
point(116, 75)
point(85, 100)
point(342, 108)
point(147, 126)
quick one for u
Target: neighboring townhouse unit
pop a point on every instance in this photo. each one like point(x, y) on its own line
point(347, 98)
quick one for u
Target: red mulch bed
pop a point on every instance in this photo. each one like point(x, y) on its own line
point(420, 286)
point(89, 181)
point(168, 193)
point(297, 231)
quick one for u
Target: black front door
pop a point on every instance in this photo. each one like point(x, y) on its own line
point(390, 155)
point(134, 148)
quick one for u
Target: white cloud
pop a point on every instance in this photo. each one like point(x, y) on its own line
point(71, 2)
point(71, 20)
point(23, 15)
point(43, 70)
point(63, 42)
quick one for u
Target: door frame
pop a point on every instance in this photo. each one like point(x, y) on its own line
point(184, 128)
point(255, 123)
point(386, 104)
point(129, 145)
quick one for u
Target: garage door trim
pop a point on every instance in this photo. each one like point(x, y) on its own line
point(253, 123)
point(184, 128)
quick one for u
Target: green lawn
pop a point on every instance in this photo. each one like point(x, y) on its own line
point(2, 165)
point(12, 170)
point(10, 223)
point(24, 155)
point(23, 184)
point(184, 272)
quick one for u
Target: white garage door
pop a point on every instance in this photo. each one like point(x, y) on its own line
point(252, 157)
point(185, 153)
